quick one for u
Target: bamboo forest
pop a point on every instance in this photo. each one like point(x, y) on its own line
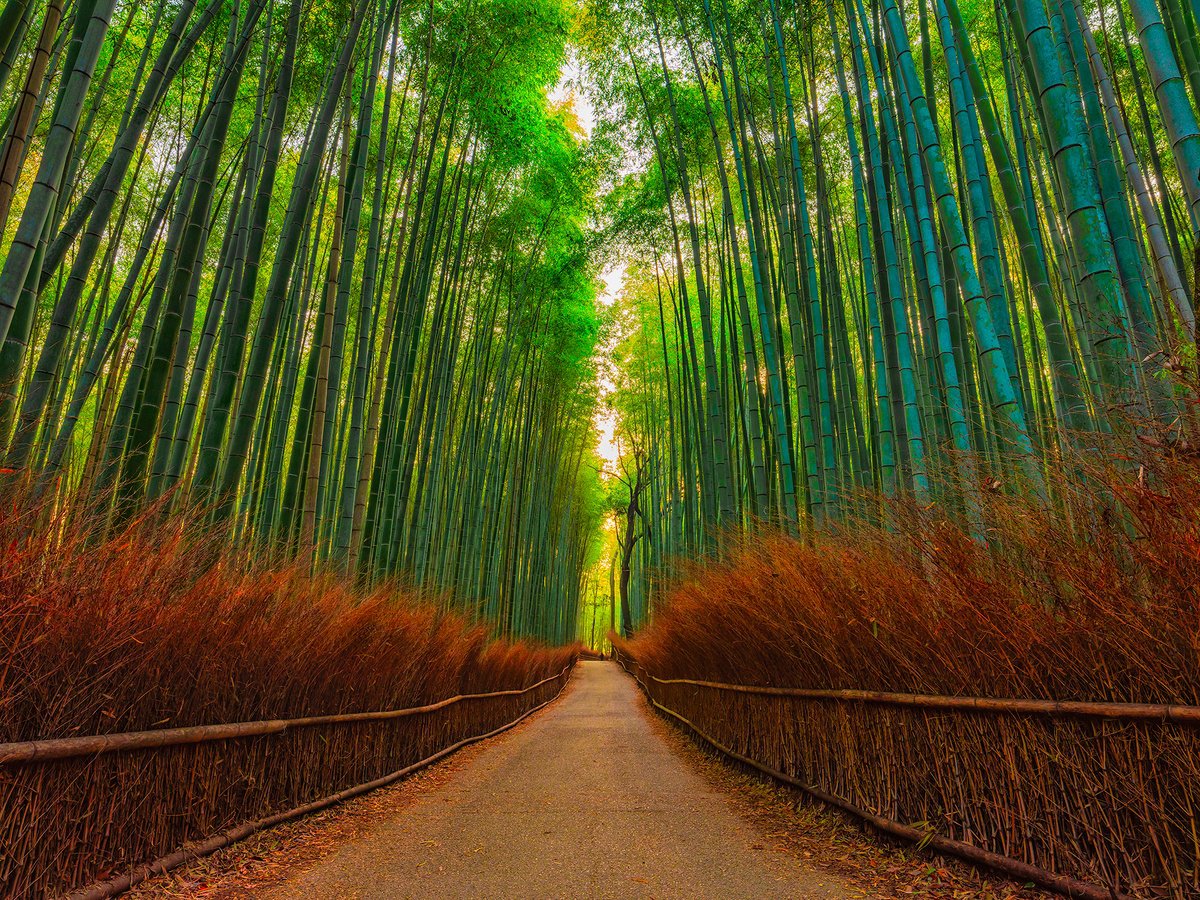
point(788, 411)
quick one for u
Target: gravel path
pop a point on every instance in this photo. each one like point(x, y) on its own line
point(587, 800)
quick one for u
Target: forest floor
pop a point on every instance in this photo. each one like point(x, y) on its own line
point(596, 797)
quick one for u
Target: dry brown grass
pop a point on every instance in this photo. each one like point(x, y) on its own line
point(155, 628)
point(1099, 603)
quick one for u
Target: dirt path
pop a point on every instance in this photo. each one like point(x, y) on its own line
point(587, 801)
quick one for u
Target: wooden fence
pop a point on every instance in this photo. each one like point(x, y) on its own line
point(1092, 800)
point(88, 814)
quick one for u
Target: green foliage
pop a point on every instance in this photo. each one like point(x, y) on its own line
point(881, 251)
point(389, 379)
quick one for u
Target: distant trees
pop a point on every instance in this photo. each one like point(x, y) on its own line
point(630, 524)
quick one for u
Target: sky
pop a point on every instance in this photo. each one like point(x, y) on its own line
point(572, 87)
point(572, 84)
point(605, 419)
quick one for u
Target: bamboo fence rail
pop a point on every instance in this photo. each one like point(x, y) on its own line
point(1155, 712)
point(1092, 800)
point(86, 814)
point(66, 748)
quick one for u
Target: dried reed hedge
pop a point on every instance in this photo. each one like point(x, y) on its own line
point(154, 629)
point(1100, 604)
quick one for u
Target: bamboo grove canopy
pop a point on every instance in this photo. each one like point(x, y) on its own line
point(315, 266)
point(880, 249)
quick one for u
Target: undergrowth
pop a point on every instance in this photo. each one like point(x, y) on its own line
point(156, 627)
point(1099, 601)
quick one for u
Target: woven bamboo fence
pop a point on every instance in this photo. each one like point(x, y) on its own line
point(97, 810)
point(1096, 800)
